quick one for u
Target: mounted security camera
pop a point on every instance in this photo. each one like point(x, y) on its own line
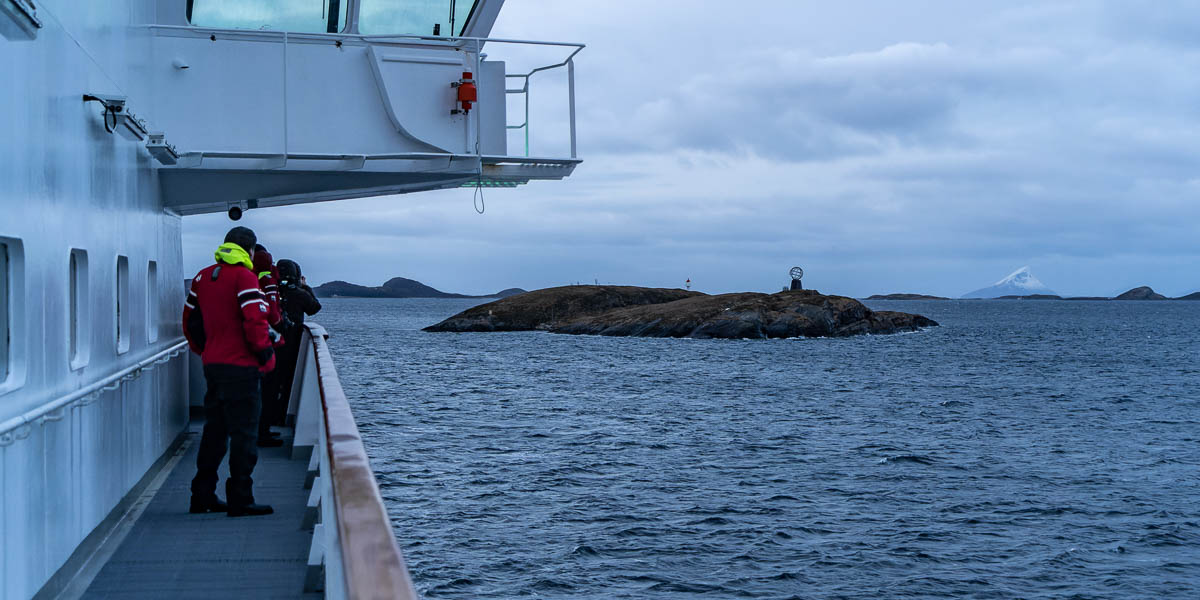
point(235, 213)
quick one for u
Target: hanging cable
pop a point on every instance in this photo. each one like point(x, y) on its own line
point(479, 204)
point(107, 111)
point(111, 106)
point(477, 198)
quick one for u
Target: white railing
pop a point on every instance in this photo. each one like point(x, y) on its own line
point(18, 427)
point(354, 553)
point(569, 63)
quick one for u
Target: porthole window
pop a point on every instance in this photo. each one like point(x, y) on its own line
point(152, 302)
point(13, 346)
point(122, 298)
point(78, 309)
point(5, 313)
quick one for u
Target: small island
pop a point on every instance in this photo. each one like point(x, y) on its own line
point(657, 312)
point(905, 297)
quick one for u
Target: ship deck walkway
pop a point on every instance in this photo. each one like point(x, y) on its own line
point(169, 553)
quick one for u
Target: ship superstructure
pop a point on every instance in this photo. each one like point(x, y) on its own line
point(122, 117)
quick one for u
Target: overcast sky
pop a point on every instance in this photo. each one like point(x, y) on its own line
point(914, 146)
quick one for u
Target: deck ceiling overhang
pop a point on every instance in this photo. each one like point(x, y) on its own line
point(191, 191)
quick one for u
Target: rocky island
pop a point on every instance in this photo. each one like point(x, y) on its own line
point(657, 312)
point(1141, 293)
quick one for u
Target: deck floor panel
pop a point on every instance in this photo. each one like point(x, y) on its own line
point(170, 553)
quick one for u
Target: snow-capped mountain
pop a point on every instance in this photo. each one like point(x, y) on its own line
point(1020, 283)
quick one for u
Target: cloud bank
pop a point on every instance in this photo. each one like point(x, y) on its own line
point(930, 147)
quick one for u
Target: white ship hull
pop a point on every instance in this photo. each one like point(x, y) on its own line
point(66, 184)
point(94, 381)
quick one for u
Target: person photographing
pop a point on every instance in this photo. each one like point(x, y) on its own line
point(296, 299)
point(268, 282)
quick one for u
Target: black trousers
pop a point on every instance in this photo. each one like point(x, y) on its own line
point(231, 406)
point(270, 401)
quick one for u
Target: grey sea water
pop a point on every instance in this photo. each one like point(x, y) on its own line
point(1023, 449)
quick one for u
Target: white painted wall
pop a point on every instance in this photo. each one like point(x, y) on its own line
point(65, 183)
point(233, 96)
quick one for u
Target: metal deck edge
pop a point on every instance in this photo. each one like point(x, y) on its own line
point(72, 579)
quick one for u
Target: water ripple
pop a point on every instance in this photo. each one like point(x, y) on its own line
point(1039, 450)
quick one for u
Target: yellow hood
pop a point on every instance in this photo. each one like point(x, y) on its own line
point(233, 254)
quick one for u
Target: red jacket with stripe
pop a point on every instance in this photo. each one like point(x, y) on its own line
point(270, 290)
point(225, 318)
point(269, 283)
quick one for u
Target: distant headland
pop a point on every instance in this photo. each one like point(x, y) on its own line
point(397, 287)
point(1137, 293)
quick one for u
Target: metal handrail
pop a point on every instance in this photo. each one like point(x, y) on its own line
point(109, 383)
point(367, 37)
point(372, 565)
point(568, 62)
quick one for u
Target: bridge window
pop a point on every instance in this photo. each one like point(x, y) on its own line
point(415, 17)
point(122, 293)
point(152, 302)
point(304, 16)
point(79, 309)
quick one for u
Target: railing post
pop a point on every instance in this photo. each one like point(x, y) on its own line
point(293, 407)
point(526, 117)
point(571, 95)
point(306, 394)
point(335, 573)
point(285, 98)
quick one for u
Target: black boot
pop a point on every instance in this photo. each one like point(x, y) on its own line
point(202, 505)
point(250, 510)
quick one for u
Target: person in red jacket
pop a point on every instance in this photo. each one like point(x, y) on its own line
point(225, 321)
point(264, 266)
point(268, 282)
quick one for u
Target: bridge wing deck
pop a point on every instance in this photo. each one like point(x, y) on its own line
point(172, 554)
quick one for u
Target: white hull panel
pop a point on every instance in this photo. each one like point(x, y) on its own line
point(65, 183)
